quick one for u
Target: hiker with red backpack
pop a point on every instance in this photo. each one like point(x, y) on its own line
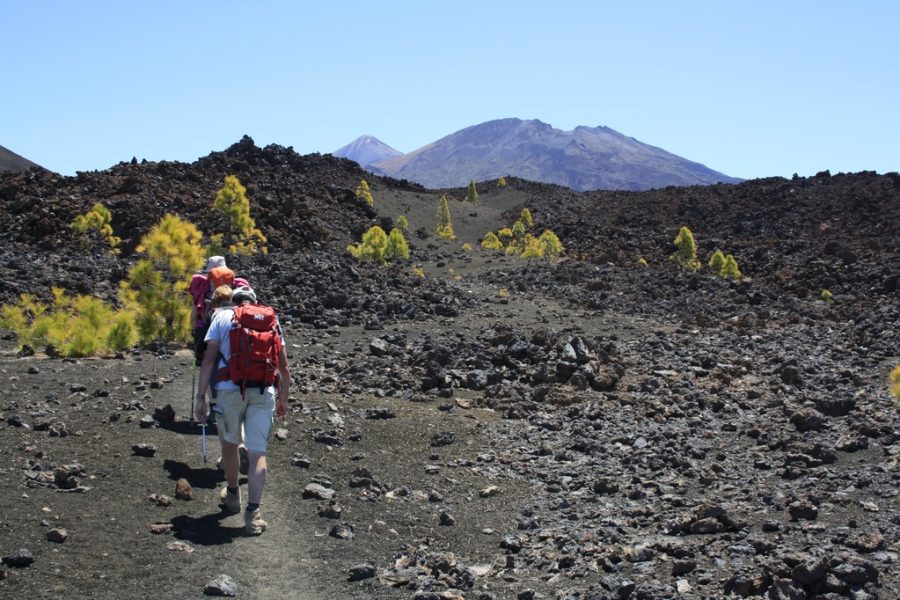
point(244, 364)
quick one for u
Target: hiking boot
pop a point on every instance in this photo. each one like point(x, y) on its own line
point(253, 522)
point(245, 460)
point(232, 502)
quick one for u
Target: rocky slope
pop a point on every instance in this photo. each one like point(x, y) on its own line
point(10, 161)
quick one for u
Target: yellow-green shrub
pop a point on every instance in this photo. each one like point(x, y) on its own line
point(403, 223)
point(491, 242)
point(501, 182)
point(717, 263)
point(551, 245)
point(97, 220)
point(396, 246)
point(533, 248)
point(70, 326)
point(827, 296)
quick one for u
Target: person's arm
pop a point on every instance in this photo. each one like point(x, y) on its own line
point(284, 389)
point(206, 372)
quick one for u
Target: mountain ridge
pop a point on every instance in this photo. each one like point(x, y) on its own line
point(584, 159)
point(366, 150)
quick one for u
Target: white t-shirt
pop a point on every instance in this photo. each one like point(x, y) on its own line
point(219, 329)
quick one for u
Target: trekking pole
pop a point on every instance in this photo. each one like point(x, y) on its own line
point(205, 455)
point(193, 382)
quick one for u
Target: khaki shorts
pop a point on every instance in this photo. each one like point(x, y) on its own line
point(255, 414)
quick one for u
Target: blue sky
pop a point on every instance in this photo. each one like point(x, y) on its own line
point(749, 88)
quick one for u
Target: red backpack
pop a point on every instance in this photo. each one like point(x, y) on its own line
point(255, 346)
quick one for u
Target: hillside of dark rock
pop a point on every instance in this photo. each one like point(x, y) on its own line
point(585, 428)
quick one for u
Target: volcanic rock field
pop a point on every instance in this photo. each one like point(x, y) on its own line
point(587, 428)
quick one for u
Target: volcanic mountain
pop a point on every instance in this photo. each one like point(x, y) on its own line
point(586, 158)
point(10, 161)
point(367, 149)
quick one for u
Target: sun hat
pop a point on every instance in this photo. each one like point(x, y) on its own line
point(243, 294)
point(213, 262)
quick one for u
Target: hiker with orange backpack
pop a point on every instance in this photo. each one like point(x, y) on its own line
point(201, 289)
point(244, 364)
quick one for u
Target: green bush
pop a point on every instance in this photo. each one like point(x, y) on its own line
point(717, 263)
point(501, 182)
point(403, 223)
point(551, 245)
point(827, 296)
point(380, 247)
point(526, 219)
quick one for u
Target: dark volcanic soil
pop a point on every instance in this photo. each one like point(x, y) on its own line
point(588, 428)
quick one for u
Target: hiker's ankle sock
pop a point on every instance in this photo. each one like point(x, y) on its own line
point(233, 490)
point(252, 506)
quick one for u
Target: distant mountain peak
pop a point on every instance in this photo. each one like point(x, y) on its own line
point(585, 158)
point(367, 149)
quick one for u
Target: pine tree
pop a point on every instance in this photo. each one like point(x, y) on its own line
point(396, 246)
point(363, 193)
point(444, 227)
point(157, 284)
point(403, 223)
point(241, 235)
point(717, 263)
point(472, 194)
point(686, 250)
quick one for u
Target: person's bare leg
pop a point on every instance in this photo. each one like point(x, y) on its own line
point(256, 477)
point(230, 463)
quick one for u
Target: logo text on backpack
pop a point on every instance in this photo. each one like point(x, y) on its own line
point(259, 317)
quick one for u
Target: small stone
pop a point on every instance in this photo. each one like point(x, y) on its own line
point(299, 460)
point(332, 511)
point(380, 413)
point(146, 450)
point(160, 528)
point(444, 438)
point(165, 414)
point(683, 567)
point(489, 491)
point(281, 434)
point(446, 519)
point(803, 510)
point(33, 370)
point(179, 546)
point(183, 490)
point(342, 532)
point(147, 422)
point(19, 559)
point(57, 536)
point(361, 571)
point(221, 585)
point(160, 499)
point(320, 492)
